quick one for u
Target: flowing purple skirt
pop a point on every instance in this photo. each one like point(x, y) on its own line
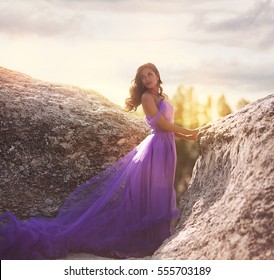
point(124, 211)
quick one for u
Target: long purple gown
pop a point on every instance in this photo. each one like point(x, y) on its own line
point(124, 211)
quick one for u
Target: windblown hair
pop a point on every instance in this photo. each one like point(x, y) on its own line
point(137, 89)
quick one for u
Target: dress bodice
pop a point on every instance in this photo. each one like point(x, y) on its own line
point(165, 109)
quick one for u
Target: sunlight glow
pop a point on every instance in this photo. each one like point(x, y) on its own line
point(100, 44)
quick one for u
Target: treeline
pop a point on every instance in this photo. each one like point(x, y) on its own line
point(191, 113)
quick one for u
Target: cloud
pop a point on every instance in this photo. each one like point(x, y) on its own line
point(101, 19)
point(241, 77)
point(131, 20)
point(259, 16)
point(134, 6)
point(37, 17)
point(184, 37)
point(250, 29)
point(104, 19)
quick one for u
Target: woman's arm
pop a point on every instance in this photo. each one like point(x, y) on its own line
point(151, 109)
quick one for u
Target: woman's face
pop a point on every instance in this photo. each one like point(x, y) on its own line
point(149, 78)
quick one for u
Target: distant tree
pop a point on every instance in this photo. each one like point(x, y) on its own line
point(178, 102)
point(191, 114)
point(241, 103)
point(186, 114)
point(207, 111)
point(191, 109)
point(222, 106)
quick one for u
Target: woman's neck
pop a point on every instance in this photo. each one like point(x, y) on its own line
point(154, 91)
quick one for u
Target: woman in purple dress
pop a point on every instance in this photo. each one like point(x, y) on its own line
point(125, 211)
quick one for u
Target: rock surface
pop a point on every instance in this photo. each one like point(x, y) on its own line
point(52, 138)
point(228, 209)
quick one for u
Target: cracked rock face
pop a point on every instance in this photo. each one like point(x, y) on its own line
point(53, 137)
point(228, 209)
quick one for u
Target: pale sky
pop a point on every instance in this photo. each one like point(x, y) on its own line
point(215, 46)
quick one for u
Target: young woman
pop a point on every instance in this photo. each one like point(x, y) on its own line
point(126, 210)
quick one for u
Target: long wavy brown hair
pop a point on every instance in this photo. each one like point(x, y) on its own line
point(137, 89)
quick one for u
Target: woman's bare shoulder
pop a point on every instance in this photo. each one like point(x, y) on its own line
point(149, 104)
point(147, 97)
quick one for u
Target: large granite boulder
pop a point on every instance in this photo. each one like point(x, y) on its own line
point(52, 138)
point(228, 209)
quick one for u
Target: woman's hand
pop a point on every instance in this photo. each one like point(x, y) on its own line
point(191, 136)
point(186, 137)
